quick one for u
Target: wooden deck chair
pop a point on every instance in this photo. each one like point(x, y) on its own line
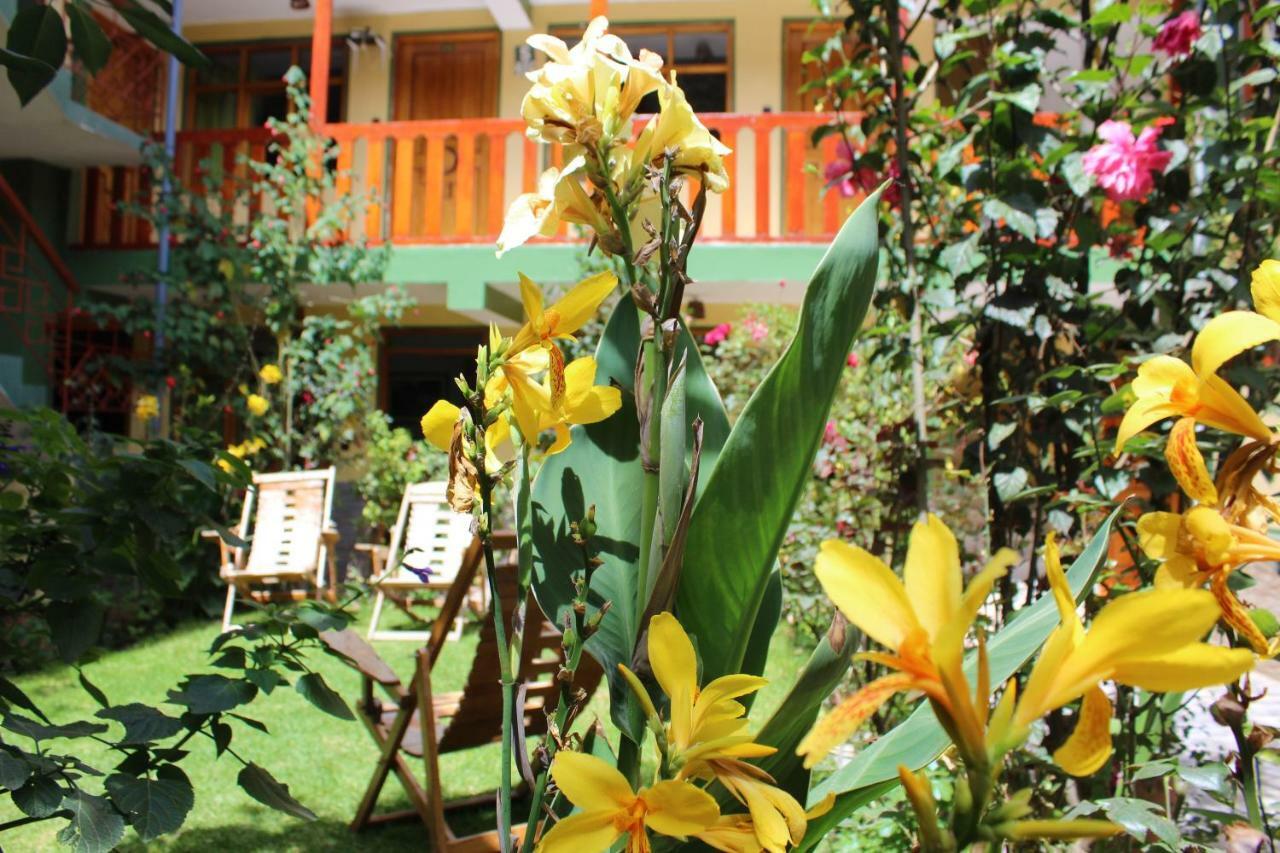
point(287, 519)
point(428, 535)
point(419, 723)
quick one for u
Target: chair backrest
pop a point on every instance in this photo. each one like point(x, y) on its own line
point(288, 511)
point(428, 534)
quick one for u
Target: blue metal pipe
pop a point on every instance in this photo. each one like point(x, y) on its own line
point(170, 145)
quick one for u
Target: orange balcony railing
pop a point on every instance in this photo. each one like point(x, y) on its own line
point(451, 180)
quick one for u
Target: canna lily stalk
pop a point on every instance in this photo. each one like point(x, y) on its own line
point(922, 619)
point(1150, 639)
point(445, 426)
point(610, 808)
point(706, 739)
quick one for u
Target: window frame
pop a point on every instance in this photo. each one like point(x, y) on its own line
point(670, 29)
point(244, 88)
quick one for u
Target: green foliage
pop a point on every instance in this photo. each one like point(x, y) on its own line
point(393, 459)
point(87, 524)
point(36, 47)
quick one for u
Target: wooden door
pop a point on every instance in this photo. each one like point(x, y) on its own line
point(803, 36)
point(447, 76)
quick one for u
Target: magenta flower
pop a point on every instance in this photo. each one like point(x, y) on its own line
point(1179, 34)
point(757, 329)
point(718, 334)
point(831, 433)
point(853, 360)
point(1124, 166)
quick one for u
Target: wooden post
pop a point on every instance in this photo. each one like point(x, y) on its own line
point(321, 44)
point(599, 7)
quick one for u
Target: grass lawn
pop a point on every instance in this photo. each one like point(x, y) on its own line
point(325, 761)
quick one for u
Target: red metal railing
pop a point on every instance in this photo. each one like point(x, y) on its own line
point(451, 180)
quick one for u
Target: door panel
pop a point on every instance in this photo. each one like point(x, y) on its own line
point(438, 76)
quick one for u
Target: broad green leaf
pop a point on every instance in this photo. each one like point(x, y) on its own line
point(799, 710)
point(264, 788)
point(312, 686)
point(748, 499)
point(75, 626)
point(95, 826)
point(919, 739)
point(154, 29)
point(601, 467)
point(92, 47)
point(211, 694)
point(38, 731)
point(36, 33)
point(154, 806)
point(40, 797)
point(142, 723)
point(14, 771)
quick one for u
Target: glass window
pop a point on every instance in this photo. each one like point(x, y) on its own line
point(710, 48)
point(245, 85)
point(707, 93)
point(656, 42)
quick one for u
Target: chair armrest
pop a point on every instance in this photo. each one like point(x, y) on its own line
point(330, 535)
point(377, 556)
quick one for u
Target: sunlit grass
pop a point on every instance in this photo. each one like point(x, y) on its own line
point(325, 761)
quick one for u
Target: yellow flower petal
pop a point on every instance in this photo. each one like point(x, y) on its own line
point(1186, 463)
point(1179, 571)
point(1158, 534)
point(437, 424)
point(1211, 532)
point(590, 783)
point(582, 301)
point(1227, 335)
point(1158, 376)
point(1144, 412)
point(867, 592)
point(841, 722)
point(1222, 406)
point(675, 667)
point(1089, 746)
point(1265, 288)
point(1189, 668)
point(678, 809)
point(583, 831)
point(931, 575)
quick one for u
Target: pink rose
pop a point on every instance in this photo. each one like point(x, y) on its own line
point(718, 334)
point(1179, 34)
point(853, 360)
point(1123, 165)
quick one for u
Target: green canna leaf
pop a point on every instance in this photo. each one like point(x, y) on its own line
point(751, 493)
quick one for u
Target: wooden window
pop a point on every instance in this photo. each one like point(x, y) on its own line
point(700, 54)
point(244, 86)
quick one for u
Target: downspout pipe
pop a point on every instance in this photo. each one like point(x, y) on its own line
point(170, 146)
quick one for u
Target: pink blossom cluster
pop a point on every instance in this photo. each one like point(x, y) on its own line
point(1179, 34)
point(718, 334)
point(1124, 166)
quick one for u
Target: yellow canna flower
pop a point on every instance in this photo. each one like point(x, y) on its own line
point(442, 426)
point(257, 404)
point(534, 348)
point(1233, 332)
point(270, 374)
point(676, 127)
point(584, 402)
point(706, 736)
point(922, 619)
point(1167, 387)
point(736, 833)
point(147, 407)
point(609, 808)
point(1200, 545)
point(560, 197)
point(585, 95)
point(1147, 639)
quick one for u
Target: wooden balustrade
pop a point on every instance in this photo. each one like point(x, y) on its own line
point(450, 181)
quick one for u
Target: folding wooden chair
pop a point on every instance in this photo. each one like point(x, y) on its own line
point(428, 536)
point(287, 519)
point(418, 723)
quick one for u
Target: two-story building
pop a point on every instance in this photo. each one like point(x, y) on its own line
point(423, 98)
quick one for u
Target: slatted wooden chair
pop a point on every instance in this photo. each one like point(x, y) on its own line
point(287, 520)
point(414, 722)
point(429, 537)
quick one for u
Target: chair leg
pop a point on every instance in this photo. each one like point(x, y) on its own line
point(230, 606)
point(378, 600)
